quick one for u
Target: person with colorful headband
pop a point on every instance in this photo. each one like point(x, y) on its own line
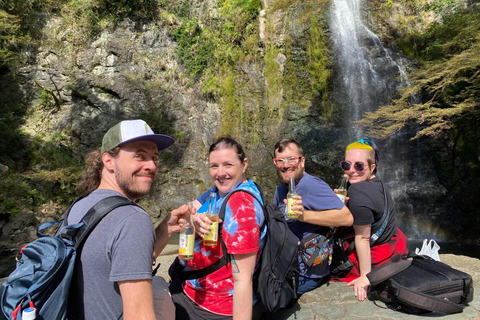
point(377, 239)
point(316, 204)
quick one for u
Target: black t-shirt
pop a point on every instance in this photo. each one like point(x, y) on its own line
point(367, 204)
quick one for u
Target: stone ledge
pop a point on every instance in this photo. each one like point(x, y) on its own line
point(335, 301)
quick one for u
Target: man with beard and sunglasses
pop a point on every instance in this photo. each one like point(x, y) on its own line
point(113, 277)
point(316, 204)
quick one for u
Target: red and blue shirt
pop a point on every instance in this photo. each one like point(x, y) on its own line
point(242, 233)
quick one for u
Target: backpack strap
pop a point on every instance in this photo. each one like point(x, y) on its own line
point(379, 226)
point(223, 261)
point(92, 218)
point(221, 215)
point(424, 301)
point(387, 271)
point(61, 224)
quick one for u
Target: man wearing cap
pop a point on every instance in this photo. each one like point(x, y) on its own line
point(316, 204)
point(113, 277)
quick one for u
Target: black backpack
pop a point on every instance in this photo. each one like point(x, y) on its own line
point(278, 271)
point(44, 273)
point(421, 285)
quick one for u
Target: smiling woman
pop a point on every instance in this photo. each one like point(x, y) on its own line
point(226, 291)
point(377, 239)
point(227, 165)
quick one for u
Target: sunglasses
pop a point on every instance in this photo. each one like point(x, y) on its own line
point(291, 161)
point(359, 166)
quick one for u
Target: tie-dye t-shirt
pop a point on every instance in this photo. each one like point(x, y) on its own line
point(241, 230)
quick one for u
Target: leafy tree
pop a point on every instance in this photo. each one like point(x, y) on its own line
point(443, 103)
point(445, 89)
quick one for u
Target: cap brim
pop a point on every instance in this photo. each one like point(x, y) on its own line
point(162, 141)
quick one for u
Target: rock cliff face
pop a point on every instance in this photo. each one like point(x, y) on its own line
point(128, 73)
point(123, 74)
point(133, 71)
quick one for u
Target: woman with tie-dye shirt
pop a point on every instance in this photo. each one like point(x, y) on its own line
point(228, 291)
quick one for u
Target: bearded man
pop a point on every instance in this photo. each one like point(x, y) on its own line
point(316, 205)
point(113, 276)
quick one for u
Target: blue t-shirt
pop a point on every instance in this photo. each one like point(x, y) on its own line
point(317, 196)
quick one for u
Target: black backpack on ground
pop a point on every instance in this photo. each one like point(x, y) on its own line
point(43, 275)
point(278, 271)
point(421, 285)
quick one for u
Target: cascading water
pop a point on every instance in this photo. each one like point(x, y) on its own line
point(365, 70)
point(367, 76)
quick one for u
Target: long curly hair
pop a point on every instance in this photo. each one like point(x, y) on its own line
point(92, 175)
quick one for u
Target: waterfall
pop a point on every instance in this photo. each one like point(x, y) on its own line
point(365, 69)
point(367, 76)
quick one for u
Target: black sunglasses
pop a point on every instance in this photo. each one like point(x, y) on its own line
point(359, 166)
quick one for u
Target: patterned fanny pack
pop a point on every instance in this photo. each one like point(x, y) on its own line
point(315, 249)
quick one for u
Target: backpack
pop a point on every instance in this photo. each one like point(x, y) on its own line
point(421, 285)
point(278, 269)
point(43, 275)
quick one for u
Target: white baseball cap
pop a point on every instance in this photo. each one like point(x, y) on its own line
point(133, 130)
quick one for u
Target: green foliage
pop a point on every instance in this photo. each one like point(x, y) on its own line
point(123, 8)
point(274, 78)
point(180, 8)
point(53, 174)
point(318, 65)
point(12, 109)
point(448, 84)
point(87, 18)
point(195, 49)
point(12, 151)
point(17, 193)
point(206, 47)
point(306, 77)
point(458, 32)
point(232, 113)
point(212, 49)
point(9, 29)
point(439, 5)
point(54, 161)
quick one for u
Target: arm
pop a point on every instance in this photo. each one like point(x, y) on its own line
point(196, 204)
point(362, 247)
point(172, 223)
point(137, 299)
point(329, 218)
point(243, 286)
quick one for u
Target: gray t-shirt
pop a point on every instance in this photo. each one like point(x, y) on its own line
point(119, 248)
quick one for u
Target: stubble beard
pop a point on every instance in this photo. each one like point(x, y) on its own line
point(128, 186)
point(297, 177)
